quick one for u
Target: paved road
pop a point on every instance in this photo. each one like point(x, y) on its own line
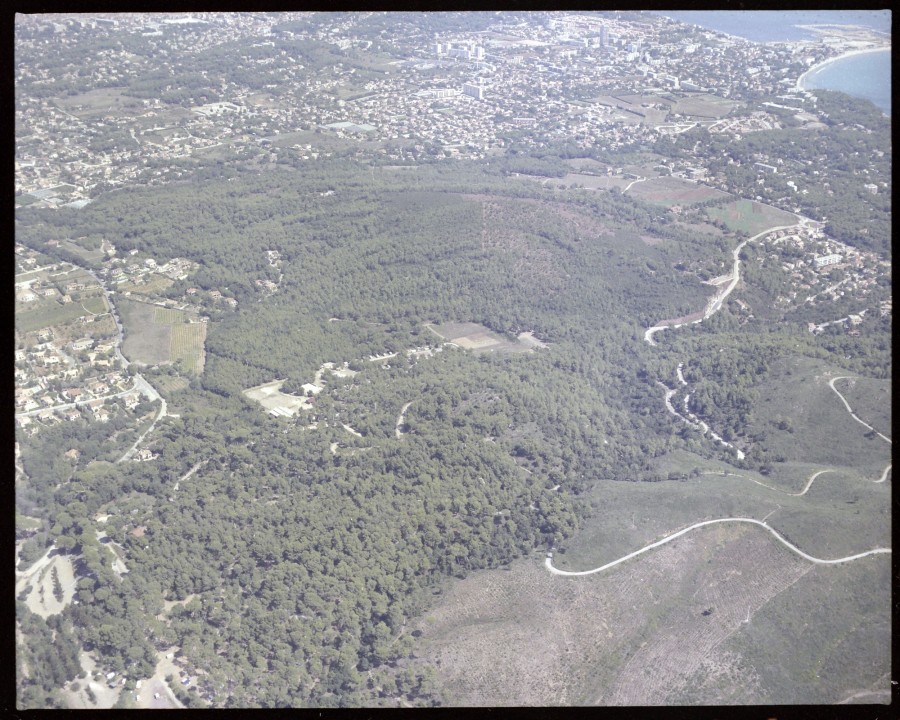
point(715, 303)
point(136, 386)
point(161, 414)
point(793, 548)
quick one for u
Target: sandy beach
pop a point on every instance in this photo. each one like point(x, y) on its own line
point(850, 53)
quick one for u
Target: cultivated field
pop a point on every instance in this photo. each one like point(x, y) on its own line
point(187, 345)
point(668, 191)
point(169, 385)
point(162, 335)
point(750, 216)
point(47, 313)
point(472, 336)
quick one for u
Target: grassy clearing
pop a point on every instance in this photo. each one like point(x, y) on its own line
point(668, 191)
point(750, 216)
point(835, 621)
point(839, 516)
point(592, 182)
point(155, 285)
point(797, 391)
point(870, 399)
point(521, 636)
point(95, 103)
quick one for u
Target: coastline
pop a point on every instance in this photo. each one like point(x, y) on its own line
point(798, 86)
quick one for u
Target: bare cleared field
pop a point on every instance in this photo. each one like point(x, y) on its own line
point(269, 395)
point(472, 336)
point(670, 191)
point(146, 341)
point(154, 285)
point(703, 105)
point(592, 182)
point(633, 635)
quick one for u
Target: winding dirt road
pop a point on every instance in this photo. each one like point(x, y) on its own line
point(400, 418)
point(548, 563)
point(850, 410)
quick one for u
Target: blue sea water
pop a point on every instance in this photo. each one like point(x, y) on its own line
point(867, 76)
point(779, 25)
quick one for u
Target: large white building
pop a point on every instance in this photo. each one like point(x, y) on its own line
point(826, 260)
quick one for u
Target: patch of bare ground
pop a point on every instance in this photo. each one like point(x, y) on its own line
point(631, 636)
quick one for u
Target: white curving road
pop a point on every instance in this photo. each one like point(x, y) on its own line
point(798, 494)
point(850, 410)
point(548, 563)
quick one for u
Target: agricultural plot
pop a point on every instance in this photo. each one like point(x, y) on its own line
point(749, 216)
point(187, 345)
point(168, 384)
point(472, 336)
point(703, 105)
point(90, 256)
point(669, 191)
point(51, 313)
point(157, 335)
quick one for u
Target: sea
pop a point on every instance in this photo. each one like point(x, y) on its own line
point(866, 76)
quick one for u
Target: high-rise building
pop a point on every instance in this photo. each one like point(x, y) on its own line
point(604, 37)
point(473, 90)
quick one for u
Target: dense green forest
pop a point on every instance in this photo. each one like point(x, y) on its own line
point(308, 546)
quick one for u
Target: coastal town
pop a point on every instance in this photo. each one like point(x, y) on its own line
point(590, 81)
